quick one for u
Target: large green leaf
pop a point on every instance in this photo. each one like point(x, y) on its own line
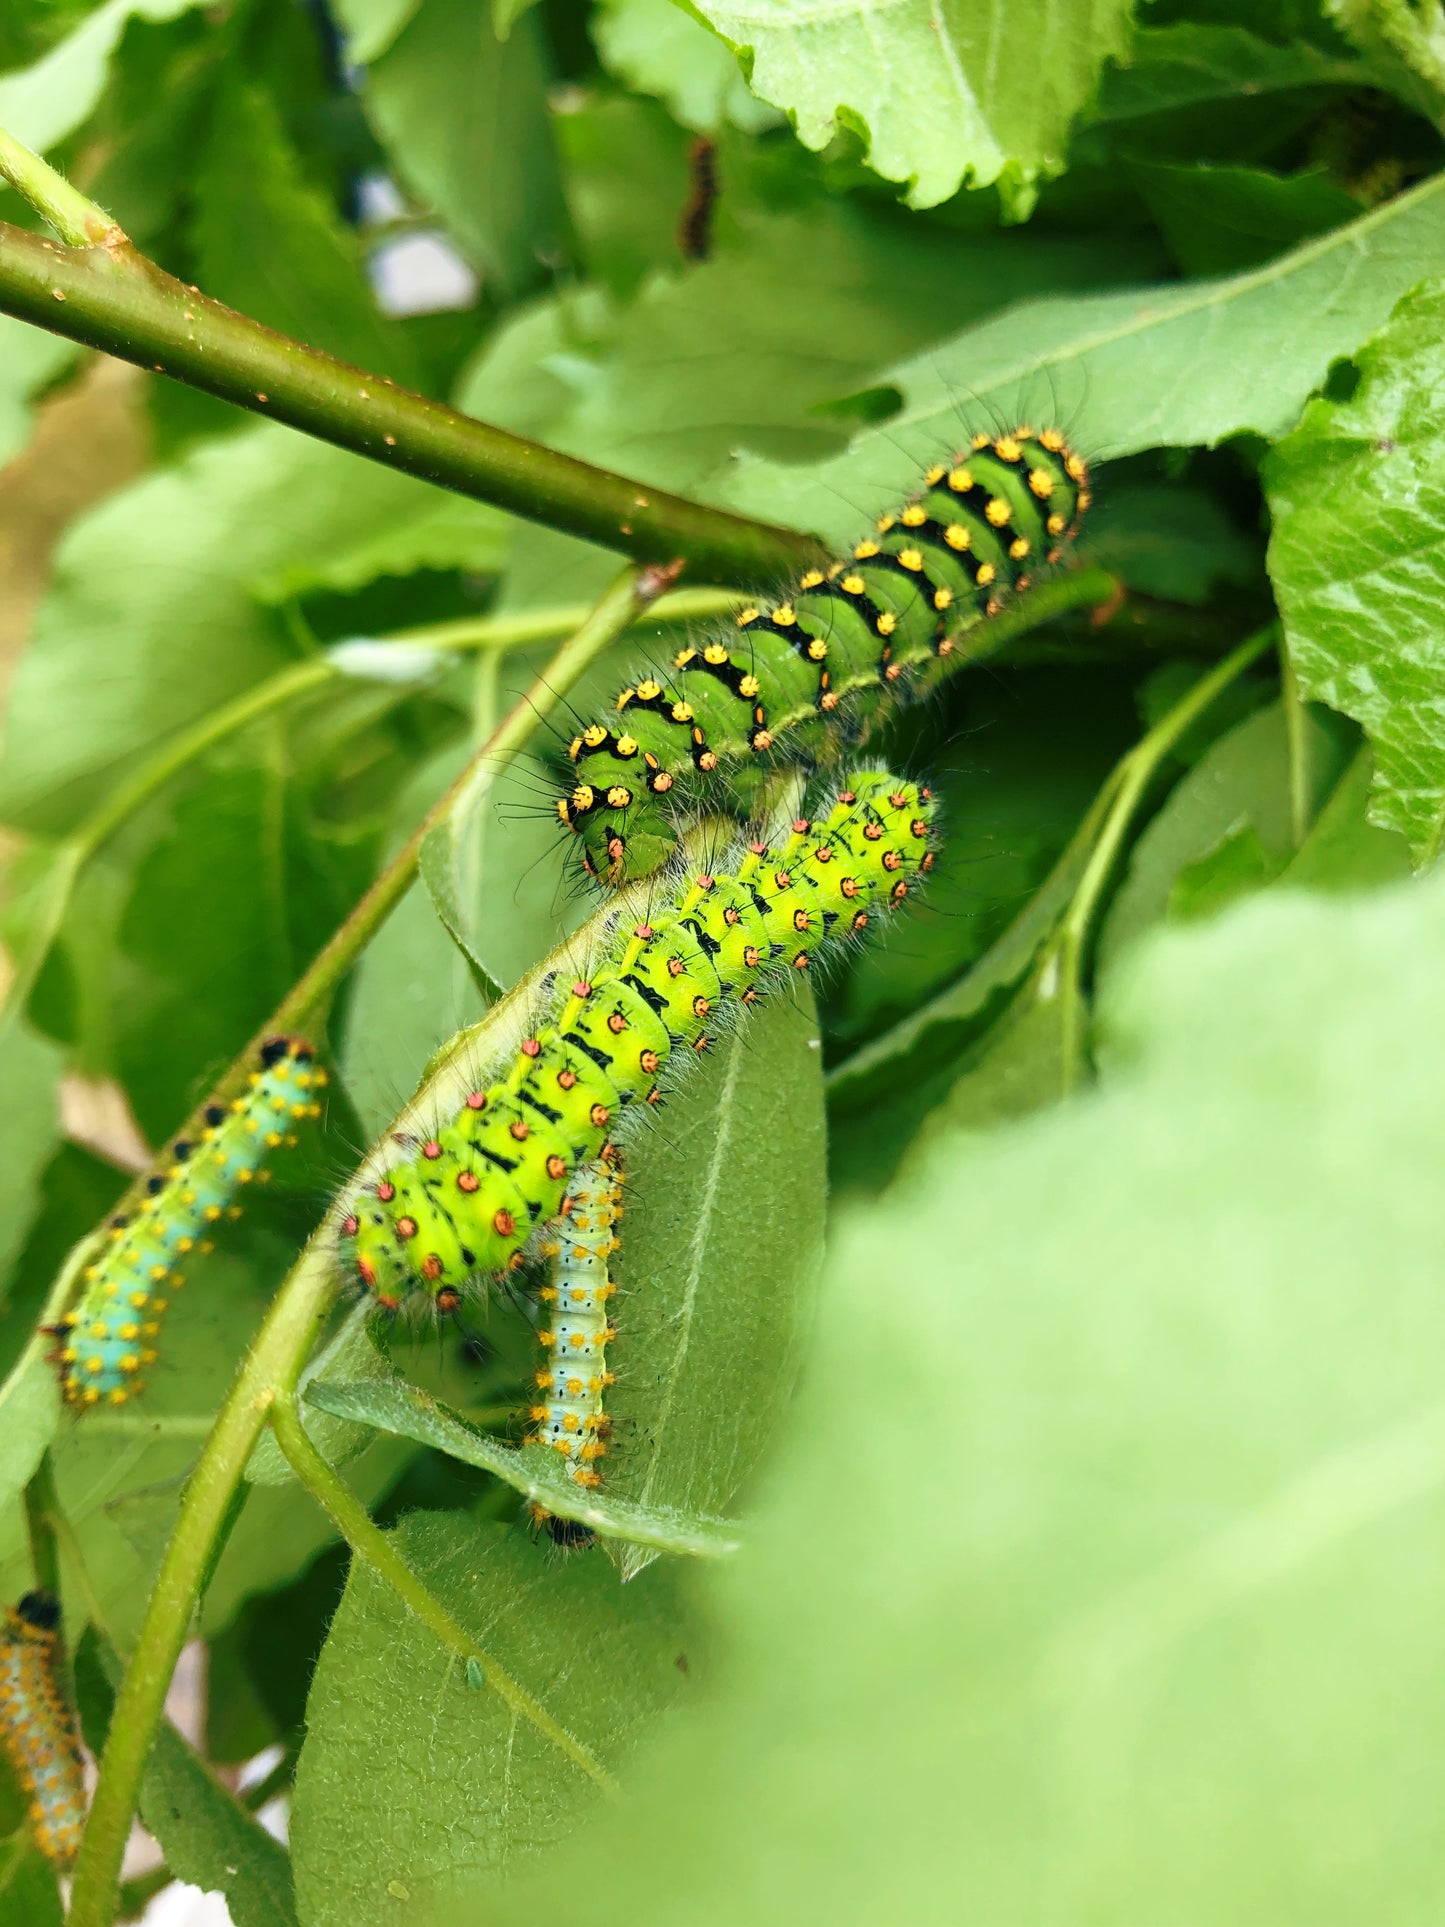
point(463, 115)
point(1166, 366)
point(415, 1776)
point(941, 94)
point(1358, 497)
point(43, 103)
point(658, 47)
point(159, 578)
point(721, 1241)
point(1102, 1578)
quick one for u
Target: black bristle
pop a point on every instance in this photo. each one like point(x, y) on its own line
point(570, 1534)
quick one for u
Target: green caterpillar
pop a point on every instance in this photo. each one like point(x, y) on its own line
point(471, 1196)
point(801, 676)
point(108, 1337)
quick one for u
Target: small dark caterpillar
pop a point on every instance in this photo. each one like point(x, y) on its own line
point(475, 1192)
point(108, 1336)
point(38, 1726)
point(799, 678)
point(694, 231)
point(572, 1418)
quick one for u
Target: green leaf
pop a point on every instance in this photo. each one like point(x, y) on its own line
point(1407, 41)
point(1175, 543)
point(30, 1070)
point(268, 244)
point(1357, 495)
point(1205, 63)
point(714, 1293)
point(397, 1809)
point(1218, 220)
point(29, 1896)
point(1242, 783)
point(1344, 850)
point(161, 576)
point(464, 117)
point(43, 103)
point(1167, 366)
point(29, 1418)
point(354, 1354)
point(371, 26)
point(628, 182)
point(657, 47)
point(940, 95)
point(208, 1837)
point(531, 1470)
point(1056, 1653)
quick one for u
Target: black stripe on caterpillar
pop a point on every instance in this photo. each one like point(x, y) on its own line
point(798, 678)
point(477, 1191)
point(38, 1726)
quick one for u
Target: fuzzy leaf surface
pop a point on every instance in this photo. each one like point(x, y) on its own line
point(1168, 366)
point(401, 1813)
point(1195, 1458)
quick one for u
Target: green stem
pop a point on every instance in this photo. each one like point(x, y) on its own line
point(297, 1314)
point(1296, 726)
point(1130, 781)
point(75, 219)
point(110, 296)
point(41, 1511)
point(368, 1542)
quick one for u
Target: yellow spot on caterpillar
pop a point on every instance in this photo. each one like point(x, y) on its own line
point(1052, 440)
point(748, 686)
point(985, 575)
point(683, 658)
point(997, 511)
point(618, 797)
point(910, 558)
point(627, 746)
point(1075, 467)
point(915, 516)
point(1057, 524)
point(817, 649)
point(594, 735)
point(960, 480)
point(784, 615)
point(886, 522)
point(956, 536)
point(583, 797)
point(863, 550)
point(853, 585)
point(745, 616)
point(1041, 482)
point(715, 653)
point(935, 475)
point(649, 691)
point(1007, 449)
point(1018, 548)
point(942, 598)
point(814, 579)
point(887, 623)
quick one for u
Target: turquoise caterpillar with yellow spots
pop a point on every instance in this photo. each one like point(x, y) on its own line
point(109, 1337)
point(37, 1726)
point(798, 679)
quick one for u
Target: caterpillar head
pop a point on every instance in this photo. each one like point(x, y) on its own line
point(619, 842)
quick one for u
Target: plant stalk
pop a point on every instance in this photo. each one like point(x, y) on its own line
point(295, 1319)
point(367, 1541)
point(110, 296)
